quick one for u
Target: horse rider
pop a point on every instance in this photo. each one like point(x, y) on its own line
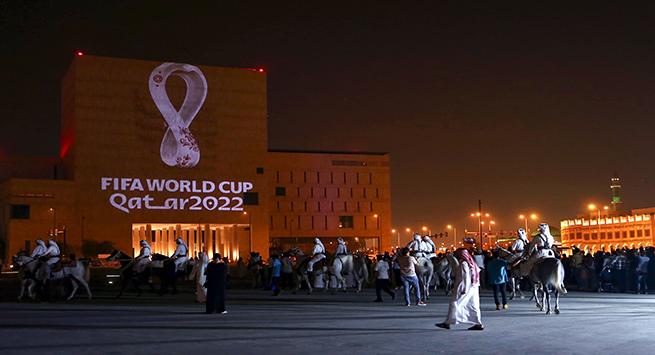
point(180, 255)
point(429, 247)
point(144, 257)
point(519, 245)
point(52, 255)
point(40, 249)
point(539, 248)
point(317, 254)
point(342, 249)
point(417, 245)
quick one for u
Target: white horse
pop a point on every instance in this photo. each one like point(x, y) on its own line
point(424, 271)
point(301, 270)
point(345, 264)
point(26, 274)
point(79, 274)
point(444, 268)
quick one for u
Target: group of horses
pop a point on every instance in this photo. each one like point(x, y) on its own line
point(546, 276)
point(339, 267)
point(29, 267)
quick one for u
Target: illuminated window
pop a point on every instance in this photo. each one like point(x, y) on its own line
point(20, 212)
point(345, 221)
point(280, 191)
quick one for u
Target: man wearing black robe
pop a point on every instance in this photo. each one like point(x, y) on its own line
point(215, 284)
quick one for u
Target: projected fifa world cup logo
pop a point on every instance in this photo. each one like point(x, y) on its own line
point(179, 148)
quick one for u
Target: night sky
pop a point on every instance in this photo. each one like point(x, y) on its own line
point(530, 106)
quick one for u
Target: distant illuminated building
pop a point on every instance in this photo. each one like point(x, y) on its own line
point(610, 230)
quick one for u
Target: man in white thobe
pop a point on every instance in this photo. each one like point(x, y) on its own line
point(198, 273)
point(429, 248)
point(539, 248)
point(52, 253)
point(416, 245)
point(342, 249)
point(465, 300)
point(144, 257)
point(180, 255)
point(318, 254)
point(40, 248)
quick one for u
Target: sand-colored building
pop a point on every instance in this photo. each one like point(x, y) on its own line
point(158, 151)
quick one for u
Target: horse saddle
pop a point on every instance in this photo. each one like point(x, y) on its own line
point(59, 265)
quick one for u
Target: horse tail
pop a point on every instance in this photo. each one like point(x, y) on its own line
point(558, 281)
point(87, 271)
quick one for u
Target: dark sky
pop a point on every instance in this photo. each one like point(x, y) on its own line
point(529, 106)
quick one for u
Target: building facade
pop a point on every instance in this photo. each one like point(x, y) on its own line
point(159, 151)
point(607, 230)
point(610, 232)
point(329, 195)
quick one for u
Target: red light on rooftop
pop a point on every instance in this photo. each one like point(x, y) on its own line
point(80, 54)
point(261, 70)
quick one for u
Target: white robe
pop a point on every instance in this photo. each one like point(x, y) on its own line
point(199, 274)
point(465, 301)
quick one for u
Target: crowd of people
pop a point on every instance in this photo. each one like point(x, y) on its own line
point(622, 270)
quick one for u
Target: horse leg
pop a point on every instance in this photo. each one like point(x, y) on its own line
point(74, 283)
point(512, 291)
point(22, 288)
point(548, 310)
point(556, 301)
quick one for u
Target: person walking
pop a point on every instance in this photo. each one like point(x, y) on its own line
point(382, 280)
point(275, 274)
point(198, 273)
point(497, 272)
point(407, 265)
point(215, 284)
point(465, 302)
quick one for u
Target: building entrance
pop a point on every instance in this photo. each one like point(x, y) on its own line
point(211, 238)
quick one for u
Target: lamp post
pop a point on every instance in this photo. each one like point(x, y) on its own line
point(525, 218)
point(54, 219)
point(397, 238)
point(454, 235)
point(480, 222)
point(249, 230)
point(593, 207)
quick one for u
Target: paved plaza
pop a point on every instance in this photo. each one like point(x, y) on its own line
point(322, 323)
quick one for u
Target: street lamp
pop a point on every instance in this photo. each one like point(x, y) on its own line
point(527, 231)
point(454, 235)
point(593, 207)
point(397, 238)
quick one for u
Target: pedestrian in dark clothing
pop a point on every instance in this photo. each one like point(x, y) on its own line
point(215, 284)
point(498, 278)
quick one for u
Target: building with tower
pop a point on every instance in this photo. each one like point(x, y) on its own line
point(605, 229)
